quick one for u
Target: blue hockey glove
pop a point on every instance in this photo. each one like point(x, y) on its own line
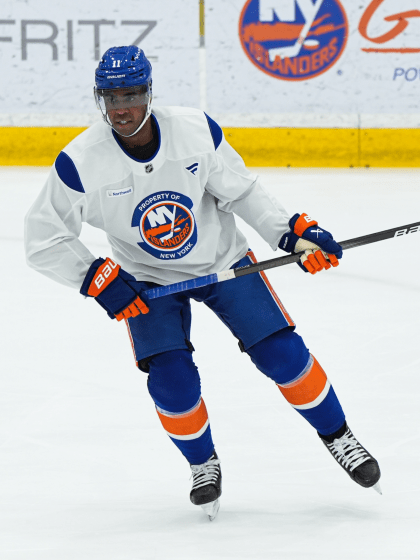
point(113, 289)
point(321, 251)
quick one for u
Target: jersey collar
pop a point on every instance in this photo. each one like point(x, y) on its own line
point(132, 157)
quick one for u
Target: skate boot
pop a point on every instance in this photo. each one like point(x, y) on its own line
point(207, 485)
point(355, 460)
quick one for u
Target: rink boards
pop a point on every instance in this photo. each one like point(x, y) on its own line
point(259, 147)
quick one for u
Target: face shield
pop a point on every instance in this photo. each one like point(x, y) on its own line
point(108, 100)
point(121, 98)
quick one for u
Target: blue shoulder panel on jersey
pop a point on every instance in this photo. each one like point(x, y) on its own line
point(216, 131)
point(68, 173)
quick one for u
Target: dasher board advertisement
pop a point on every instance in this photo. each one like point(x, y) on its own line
point(314, 62)
point(49, 52)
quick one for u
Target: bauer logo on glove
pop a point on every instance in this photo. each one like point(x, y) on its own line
point(114, 290)
point(321, 251)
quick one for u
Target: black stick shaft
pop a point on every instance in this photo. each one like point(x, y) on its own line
point(348, 244)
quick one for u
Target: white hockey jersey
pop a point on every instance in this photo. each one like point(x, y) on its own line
point(167, 219)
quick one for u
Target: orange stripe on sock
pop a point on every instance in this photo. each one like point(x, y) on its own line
point(185, 424)
point(307, 388)
point(276, 298)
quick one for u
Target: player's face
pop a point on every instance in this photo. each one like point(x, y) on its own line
point(126, 109)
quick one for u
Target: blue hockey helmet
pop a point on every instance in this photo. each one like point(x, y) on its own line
point(123, 68)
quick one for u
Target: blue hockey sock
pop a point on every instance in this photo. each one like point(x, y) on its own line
point(174, 385)
point(284, 358)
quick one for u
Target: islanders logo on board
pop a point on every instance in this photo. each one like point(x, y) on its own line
point(166, 225)
point(293, 39)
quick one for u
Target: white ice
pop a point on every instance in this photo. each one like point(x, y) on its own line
point(86, 471)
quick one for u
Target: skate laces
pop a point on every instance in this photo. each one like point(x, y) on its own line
point(205, 474)
point(348, 451)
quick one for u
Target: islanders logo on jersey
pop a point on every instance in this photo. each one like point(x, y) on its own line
point(166, 225)
point(293, 39)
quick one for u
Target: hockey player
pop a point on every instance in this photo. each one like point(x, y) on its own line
point(165, 185)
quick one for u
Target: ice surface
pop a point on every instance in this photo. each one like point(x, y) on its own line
point(86, 471)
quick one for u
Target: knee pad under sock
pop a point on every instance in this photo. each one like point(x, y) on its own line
point(174, 385)
point(284, 358)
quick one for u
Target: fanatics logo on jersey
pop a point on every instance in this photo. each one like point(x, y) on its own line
point(166, 225)
point(293, 39)
point(192, 168)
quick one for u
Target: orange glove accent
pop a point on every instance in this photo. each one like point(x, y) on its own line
point(135, 308)
point(315, 261)
point(105, 274)
point(333, 260)
point(322, 260)
point(309, 267)
point(303, 223)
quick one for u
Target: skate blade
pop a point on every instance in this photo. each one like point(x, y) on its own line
point(377, 488)
point(211, 509)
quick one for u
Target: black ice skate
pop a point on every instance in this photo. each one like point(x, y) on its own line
point(207, 485)
point(355, 460)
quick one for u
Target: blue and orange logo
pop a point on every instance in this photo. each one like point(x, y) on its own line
point(166, 225)
point(293, 39)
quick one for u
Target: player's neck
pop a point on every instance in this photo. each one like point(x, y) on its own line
point(143, 136)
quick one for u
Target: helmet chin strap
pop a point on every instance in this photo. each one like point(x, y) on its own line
point(148, 112)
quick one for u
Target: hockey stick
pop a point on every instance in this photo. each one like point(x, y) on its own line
point(273, 263)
